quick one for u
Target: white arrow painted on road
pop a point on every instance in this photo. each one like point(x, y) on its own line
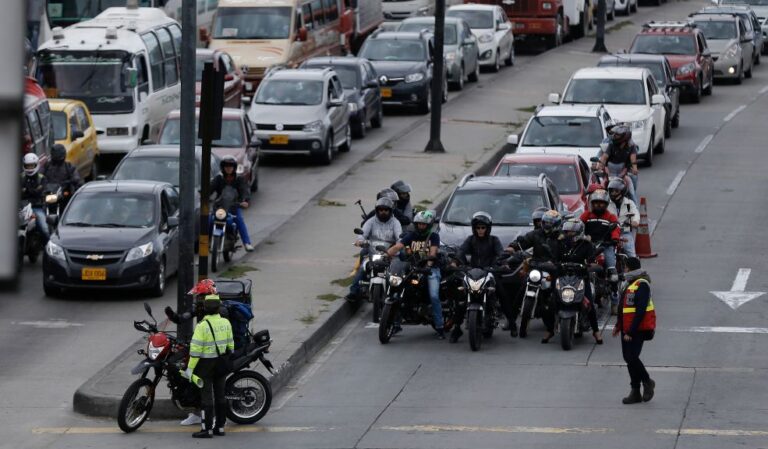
point(737, 297)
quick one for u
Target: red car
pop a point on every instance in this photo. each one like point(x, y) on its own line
point(569, 172)
point(686, 50)
point(233, 77)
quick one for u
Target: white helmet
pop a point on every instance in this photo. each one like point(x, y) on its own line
point(31, 164)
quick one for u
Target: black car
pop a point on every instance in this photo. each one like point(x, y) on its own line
point(115, 235)
point(361, 89)
point(510, 200)
point(662, 73)
point(403, 62)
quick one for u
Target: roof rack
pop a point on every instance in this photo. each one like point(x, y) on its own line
point(669, 24)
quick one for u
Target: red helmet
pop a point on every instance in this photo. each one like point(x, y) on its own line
point(204, 287)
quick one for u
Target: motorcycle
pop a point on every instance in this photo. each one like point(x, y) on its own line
point(573, 306)
point(375, 265)
point(537, 294)
point(56, 198)
point(31, 240)
point(224, 234)
point(247, 392)
point(606, 282)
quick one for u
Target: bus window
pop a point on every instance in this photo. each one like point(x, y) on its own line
point(317, 13)
point(142, 78)
point(169, 57)
point(331, 10)
point(306, 11)
point(155, 61)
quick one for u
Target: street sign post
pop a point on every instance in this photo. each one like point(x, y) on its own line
point(435, 145)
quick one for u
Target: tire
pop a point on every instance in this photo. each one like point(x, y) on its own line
point(748, 73)
point(696, 96)
point(326, 156)
point(358, 130)
point(510, 60)
point(634, 8)
point(386, 323)
point(347, 144)
point(158, 289)
point(557, 39)
point(134, 409)
point(378, 120)
point(739, 78)
point(426, 106)
point(255, 179)
point(247, 404)
point(668, 128)
point(459, 85)
point(226, 254)
point(566, 334)
point(496, 63)
point(649, 154)
point(610, 17)
point(214, 254)
point(525, 319)
point(474, 328)
point(580, 30)
point(32, 257)
point(475, 75)
point(676, 118)
point(377, 298)
point(51, 291)
point(708, 90)
point(659, 149)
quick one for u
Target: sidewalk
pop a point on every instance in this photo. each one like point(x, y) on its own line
point(295, 264)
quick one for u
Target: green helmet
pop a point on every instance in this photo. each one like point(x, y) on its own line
point(425, 216)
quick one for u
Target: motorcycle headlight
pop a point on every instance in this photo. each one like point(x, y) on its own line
point(54, 251)
point(485, 38)
point(376, 257)
point(153, 352)
point(140, 252)
point(51, 198)
point(220, 214)
point(395, 281)
point(640, 124)
point(534, 275)
point(313, 127)
point(414, 77)
point(476, 285)
point(352, 106)
point(686, 69)
point(567, 295)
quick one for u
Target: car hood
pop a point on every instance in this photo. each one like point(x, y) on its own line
point(585, 152)
point(101, 239)
point(352, 95)
point(274, 114)
point(237, 153)
point(455, 235)
point(718, 46)
point(677, 61)
point(628, 113)
point(264, 53)
point(397, 69)
point(574, 202)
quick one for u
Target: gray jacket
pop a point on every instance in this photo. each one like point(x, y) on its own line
point(376, 230)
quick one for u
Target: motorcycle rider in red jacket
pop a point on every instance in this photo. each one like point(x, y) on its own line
point(597, 221)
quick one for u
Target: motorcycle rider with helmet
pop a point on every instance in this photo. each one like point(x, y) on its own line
point(32, 185)
point(61, 172)
point(228, 178)
point(537, 215)
point(425, 242)
point(575, 247)
point(403, 203)
point(626, 211)
point(621, 154)
point(596, 220)
point(381, 227)
point(404, 220)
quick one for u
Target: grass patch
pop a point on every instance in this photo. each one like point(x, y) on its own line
point(308, 317)
point(329, 203)
point(450, 180)
point(425, 202)
point(618, 26)
point(330, 297)
point(418, 208)
point(343, 282)
point(369, 160)
point(270, 242)
point(237, 271)
point(530, 109)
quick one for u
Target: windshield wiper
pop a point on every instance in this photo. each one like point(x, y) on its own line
point(115, 225)
point(456, 223)
point(80, 224)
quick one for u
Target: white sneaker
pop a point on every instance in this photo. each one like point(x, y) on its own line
point(191, 420)
point(248, 247)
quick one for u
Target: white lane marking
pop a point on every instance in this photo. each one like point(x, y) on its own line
point(372, 325)
point(703, 145)
point(164, 429)
point(763, 90)
point(498, 429)
point(652, 226)
point(740, 281)
point(50, 324)
point(734, 113)
point(715, 432)
point(675, 182)
point(721, 329)
point(737, 296)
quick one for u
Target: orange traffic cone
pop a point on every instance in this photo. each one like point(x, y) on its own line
point(643, 240)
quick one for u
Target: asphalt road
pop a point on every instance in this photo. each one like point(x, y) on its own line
point(708, 359)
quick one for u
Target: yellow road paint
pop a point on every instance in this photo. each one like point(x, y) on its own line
point(511, 429)
point(166, 429)
point(715, 432)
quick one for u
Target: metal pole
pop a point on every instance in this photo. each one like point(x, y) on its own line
point(435, 145)
point(187, 166)
point(600, 32)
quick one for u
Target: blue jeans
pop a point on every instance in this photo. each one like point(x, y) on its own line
point(239, 221)
point(354, 288)
point(610, 257)
point(629, 243)
point(40, 221)
point(434, 297)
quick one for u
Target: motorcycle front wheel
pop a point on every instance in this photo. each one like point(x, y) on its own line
point(215, 253)
point(136, 404)
point(377, 298)
point(475, 326)
point(566, 333)
point(386, 323)
point(525, 319)
point(249, 396)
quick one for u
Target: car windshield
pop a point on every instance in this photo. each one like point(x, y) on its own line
point(393, 50)
point(564, 176)
point(59, 125)
point(231, 133)
point(349, 75)
point(656, 68)
point(507, 207)
point(661, 44)
point(148, 168)
point(98, 78)
point(252, 23)
point(111, 209)
point(416, 26)
point(290, 92)
point(605, 91)
point(475, 19)
point(563, 132)
point(748, 2)
point(717, 30)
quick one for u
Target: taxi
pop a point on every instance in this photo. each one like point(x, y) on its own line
point(73, 127)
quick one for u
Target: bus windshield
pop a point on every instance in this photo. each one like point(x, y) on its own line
point(96, 78)
point(252, 23)
point(63, 13)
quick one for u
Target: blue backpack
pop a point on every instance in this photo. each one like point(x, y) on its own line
point(240, 315)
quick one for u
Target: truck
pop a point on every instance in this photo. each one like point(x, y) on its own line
point(550, 21)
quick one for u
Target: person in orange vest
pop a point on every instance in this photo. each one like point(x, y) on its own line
point(637, 323)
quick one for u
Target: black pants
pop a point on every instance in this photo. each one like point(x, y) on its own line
point(631, 352)
point(212, 395)
point(510, 297)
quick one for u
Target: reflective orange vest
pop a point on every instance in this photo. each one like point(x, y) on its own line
point(648, 322)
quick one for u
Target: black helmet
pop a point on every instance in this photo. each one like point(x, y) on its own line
point(620, 134)
point(551, 220)
point(537, 214)
point(387, 193)
point(482, 218)
point(617, 189)
point(58, 153)
point(228, 161)
point(401, 187)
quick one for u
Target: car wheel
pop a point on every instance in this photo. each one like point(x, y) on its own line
point(708, 90)
point(378, 119)
point(634, 8)
point(254, 178)
point(475, 75)
point(459, 84)
point(696, 95)
point(426, 105)
point(667, 127)
point(347, 144)
point(557, 39)
point(612, 15)
point(510, 61)
point(748, 73)
point(358, 129)
point(649, 153)
point(326, 156)
point(676, 119)
point(496, 63)
point(51, 291)
point(158, 289)
point(739, 78)
point(659, 149)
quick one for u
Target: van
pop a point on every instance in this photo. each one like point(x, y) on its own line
point(124, 65)
point(261, 34)
point(38, 138)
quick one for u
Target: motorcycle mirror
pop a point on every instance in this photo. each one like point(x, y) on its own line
point(149, 310)
point(358, 231)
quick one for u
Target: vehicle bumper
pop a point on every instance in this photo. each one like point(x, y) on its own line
point(117, 144)
point(121, 275)
point(620, 5)
point(299, 142)
point(487, 54)
point(688, 84)
point(727, 68)
point(406, 94)
point(534, 27)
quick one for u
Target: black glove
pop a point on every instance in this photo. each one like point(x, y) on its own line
point(171, 314)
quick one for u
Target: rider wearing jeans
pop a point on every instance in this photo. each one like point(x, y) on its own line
point(621, 154)
point(627, 213)
point(599, 215)
point(228, 178)
point(423, 241)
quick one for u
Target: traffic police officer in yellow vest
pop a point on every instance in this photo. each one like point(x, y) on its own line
point(211, 341)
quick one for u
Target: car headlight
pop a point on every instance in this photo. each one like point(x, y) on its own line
point(313, 127)
point(640, 124)
point(54, 251)
point(476, 285)
point(220, 214)
point(732, 51)
point(153, 352)
point(451, 56)
point(686, 69)
point(394, 281)
point(485, 38)
point(534, 275)
point(352, 106)
point(414, 77)
point(486, 54)
point(568, 294)
point(140, 252)
point(546, 5)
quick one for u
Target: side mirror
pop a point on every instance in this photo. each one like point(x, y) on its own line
point(173, 222)
point(658, 99)
point(301, 36)
point(470, 41)
point(358, 231)
point(77, 135)
point(502, 27)
point(706, 52)
point(204, 35)
point(147, 142)
point(554, 98)
point(254, 143)
point(513, 139)
point(595, 158)
point(101, 178)
point(372, 84)
point(335, 102)
point(132, 76)
point(148, 310)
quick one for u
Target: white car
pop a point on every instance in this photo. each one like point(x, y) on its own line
point(630, 94)
point(624, 7)
point(493, 31)
point(568, 129)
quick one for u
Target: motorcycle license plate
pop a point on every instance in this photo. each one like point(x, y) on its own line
point(93, 274)
point(218, 231)
point(278, 139)
point(386, 92)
